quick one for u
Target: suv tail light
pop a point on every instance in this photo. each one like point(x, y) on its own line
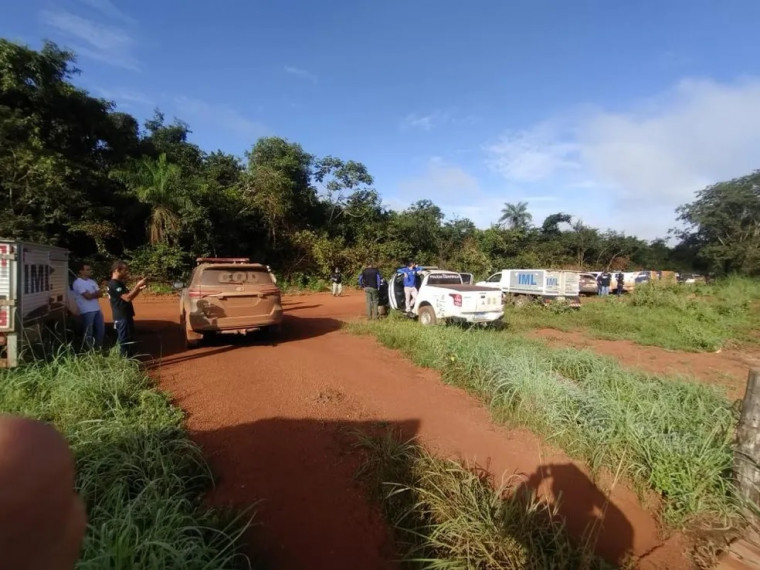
point(457, 299)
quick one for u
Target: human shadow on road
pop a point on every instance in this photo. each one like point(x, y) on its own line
point(590, 517)
point(311, 512)
point(160, 340)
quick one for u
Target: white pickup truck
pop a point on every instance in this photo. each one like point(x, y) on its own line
point(523, 285)
point(441, 297)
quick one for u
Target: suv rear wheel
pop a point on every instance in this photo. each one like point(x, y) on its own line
point(192, 338)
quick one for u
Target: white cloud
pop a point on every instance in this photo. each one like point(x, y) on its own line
point(441, 182)
point(632, 168)
point(302, 73)
point(424, 122)
point(218, 116)
point(698, 133)
point(110, 10)
point(532, 154)
point(125, 97)
point(109, 44)
point(434, 119)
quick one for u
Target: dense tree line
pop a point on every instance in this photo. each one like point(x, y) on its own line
point(77, 173)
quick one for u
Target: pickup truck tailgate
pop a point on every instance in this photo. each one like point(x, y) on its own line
point(481, 301)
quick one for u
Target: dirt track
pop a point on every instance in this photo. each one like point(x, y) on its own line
point(270, 418)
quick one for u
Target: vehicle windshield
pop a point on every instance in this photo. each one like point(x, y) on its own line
point(444, 279)
point(215, 276)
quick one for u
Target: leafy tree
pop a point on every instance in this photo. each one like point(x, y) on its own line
point(550, 227)
point(340, 178)
point(56, 144)
point(278, 185)
point(723, 223)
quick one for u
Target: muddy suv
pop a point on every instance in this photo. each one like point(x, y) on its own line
point(229, 296)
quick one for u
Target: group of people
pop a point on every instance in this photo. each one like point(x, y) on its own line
point(87, 292)
point(372, 282)
point(604, 280)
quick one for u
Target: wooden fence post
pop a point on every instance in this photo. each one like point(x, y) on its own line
point(747, 453)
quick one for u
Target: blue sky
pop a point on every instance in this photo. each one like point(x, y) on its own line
point(614, 112)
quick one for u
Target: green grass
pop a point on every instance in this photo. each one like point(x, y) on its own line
point(668, 435)
point(447, 516)
point(138, 472)
point(678, 317)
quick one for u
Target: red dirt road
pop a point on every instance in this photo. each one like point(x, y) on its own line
point(271, 419)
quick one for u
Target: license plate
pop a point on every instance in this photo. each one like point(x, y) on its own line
point(480, 315)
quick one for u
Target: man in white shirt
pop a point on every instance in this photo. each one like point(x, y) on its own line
point(87, 293)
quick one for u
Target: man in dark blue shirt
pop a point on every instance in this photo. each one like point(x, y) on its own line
point(369, 280)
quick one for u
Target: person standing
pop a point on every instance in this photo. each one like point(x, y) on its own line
point(369, 280)
point(86, 294)
point(337, 282)
point(410, 285)
point(121, 305)
point(605, 279)
point(620, 278)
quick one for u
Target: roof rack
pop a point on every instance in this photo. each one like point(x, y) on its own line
point(223, 260)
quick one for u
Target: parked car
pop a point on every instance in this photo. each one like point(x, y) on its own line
point(690, 278)
point(229, 296)
point(523, 285)
point(587, 284)
point(442, 297)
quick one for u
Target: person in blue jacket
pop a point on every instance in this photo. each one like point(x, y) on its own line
point(410, 284)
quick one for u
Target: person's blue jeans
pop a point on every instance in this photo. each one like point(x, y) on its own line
point(94, 329)
point(125, 329)
point(605, 290)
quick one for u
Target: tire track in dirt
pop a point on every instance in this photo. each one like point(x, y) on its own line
point(272, 420)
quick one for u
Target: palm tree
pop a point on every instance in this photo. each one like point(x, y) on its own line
point(155, 182)
point(515, 216)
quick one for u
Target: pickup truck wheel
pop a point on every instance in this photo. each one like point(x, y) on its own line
point(427, 316)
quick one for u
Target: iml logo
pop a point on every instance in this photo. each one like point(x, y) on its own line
point(526, 279)
point(36, 278)
point(552, 282)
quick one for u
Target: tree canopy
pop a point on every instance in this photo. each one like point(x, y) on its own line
point(77, 173)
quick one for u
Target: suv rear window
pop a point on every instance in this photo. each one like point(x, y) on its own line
point(235, 276)
point(445, 279)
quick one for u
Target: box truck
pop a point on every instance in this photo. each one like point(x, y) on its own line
point(34, 293)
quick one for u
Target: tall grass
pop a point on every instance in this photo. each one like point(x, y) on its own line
point(447, 516)
point(138, 472)
point(670, 436)
point(695, 318)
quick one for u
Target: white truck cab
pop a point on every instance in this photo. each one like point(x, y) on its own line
point(441, 297)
